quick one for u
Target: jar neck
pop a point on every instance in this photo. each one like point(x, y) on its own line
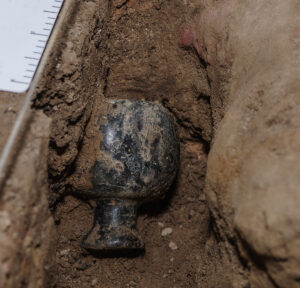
point(114, 213)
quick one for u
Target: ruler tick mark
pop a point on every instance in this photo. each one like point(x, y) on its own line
point(48, 11)
point(38, 34)
point(31, 58)
point(19, 82)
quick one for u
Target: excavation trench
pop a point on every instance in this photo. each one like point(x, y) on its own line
point(201, 60)
point(128, 50)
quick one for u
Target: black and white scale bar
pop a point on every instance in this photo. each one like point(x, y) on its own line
point(24, 41)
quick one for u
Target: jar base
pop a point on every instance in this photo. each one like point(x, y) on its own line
point(114, 227)
point(120, 238)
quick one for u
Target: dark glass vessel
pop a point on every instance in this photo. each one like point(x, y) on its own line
point(136, 162)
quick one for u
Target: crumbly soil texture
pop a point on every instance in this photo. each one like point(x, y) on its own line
point(129, 50)
point(227, 71)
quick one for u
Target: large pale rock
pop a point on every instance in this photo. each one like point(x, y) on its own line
point(253, 182)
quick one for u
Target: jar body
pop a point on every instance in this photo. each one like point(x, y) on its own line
point(138, 151)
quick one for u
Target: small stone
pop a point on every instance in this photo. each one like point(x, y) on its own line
point(173, 245)
point(83, 267)
point(65, 252)
point(69, 99)
point(166, 231)
point(191, 214)
point(160, 224)
point(94, 282)
point(172, 259)
point(132, 284)
point(10, 110)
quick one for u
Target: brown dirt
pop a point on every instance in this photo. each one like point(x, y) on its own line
point(10, 105)
point(128, 49)
point(27, 234)
point(184, 211)
point(215, 65)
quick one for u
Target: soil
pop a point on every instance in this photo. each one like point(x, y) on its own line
point(234, 100)
point(128, 49)
point(168, 261)
point(9, 107)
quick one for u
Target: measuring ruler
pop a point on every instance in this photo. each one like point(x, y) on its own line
point(25, 27)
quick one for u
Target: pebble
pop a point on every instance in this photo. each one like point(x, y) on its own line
point(10, 109)
point(160, 224)
point(83, 267)
point(166, 231)
point(173, 245)
point(202, 197)
point(94, 282)
point(64, 252)
point(191, 214)
point(131, 284)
